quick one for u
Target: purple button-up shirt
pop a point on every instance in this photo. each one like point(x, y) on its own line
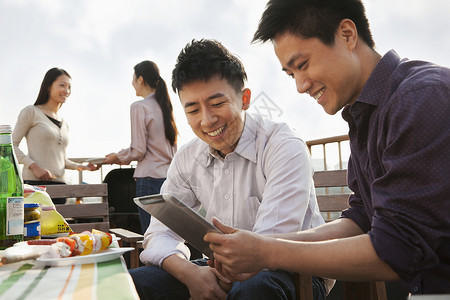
point(399, 169)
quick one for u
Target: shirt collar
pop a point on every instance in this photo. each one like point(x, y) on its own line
point(149, 96)
point(376, 86)
point(246, 146)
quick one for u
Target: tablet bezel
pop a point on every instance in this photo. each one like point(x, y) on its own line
point(181, 219)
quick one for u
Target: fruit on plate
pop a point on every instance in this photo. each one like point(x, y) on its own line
point(106, 238)
point(84, 243)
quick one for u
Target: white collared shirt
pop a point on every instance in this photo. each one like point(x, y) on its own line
point(265, 185)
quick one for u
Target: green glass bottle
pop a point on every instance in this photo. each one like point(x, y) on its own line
point(11, 192)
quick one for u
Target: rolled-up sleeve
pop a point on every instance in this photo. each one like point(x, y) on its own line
point(160, 242)
point(411, 199)
point(357, 211)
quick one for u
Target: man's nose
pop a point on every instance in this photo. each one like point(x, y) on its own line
point(303, 84)
point(208, 118)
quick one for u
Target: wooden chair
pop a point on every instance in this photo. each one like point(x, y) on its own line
point(337, 202)
point(87, 216)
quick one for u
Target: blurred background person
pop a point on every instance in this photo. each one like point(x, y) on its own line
point(153, 134)
point(46, 134)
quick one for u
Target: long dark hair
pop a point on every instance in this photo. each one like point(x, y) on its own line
point(150, 73)
point(49, 78)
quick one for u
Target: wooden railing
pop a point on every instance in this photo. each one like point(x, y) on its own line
point(323, 143)
point(325, 190)
point(99, 174)
point(327, 141)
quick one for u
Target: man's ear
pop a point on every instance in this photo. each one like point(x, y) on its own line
point(246, 95)
point(348, 32)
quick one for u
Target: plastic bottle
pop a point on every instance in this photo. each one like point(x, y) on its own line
point(11, 192)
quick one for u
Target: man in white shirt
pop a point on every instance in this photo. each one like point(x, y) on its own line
point(250, 172)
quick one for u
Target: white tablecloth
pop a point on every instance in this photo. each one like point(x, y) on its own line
point(104, 280)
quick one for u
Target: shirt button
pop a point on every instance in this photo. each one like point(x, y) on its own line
point(415, 289)
point(227, 172)
point(227, 196)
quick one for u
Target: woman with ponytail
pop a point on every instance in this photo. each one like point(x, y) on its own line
point(153, 134)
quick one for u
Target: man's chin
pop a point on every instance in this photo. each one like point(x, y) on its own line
point(330, 110)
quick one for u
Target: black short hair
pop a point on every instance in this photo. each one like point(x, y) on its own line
point(312, 19)
point(203, 59)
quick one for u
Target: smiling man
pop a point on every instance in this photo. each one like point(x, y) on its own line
point(397, 227)
point(220, 130)
point(252, 173)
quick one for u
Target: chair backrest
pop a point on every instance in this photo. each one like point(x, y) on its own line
point(332, 191)
point(121, 190)
point(334, 198)
point(85, 216)
point(123, 211)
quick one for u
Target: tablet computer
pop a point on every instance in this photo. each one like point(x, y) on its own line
point(180, 218)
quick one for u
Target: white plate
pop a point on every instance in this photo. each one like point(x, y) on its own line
point(96, 160)
point(105, 255)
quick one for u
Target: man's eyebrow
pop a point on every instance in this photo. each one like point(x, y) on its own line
point(214, 96)
point(188, 104)
point(290, 63)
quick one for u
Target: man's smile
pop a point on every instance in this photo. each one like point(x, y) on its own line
point(216, 132)
point(319, 94)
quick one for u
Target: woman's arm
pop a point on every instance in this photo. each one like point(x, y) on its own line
point(23, 124)
point(139, 136)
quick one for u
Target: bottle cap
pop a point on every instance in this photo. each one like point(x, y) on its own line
point(5, 129)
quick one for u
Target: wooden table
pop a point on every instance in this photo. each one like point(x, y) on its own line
point(103, 280)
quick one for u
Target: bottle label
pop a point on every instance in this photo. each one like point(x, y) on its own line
point(14, 216)
point(32, 229)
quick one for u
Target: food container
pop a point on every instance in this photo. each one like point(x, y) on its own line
point(31, 222)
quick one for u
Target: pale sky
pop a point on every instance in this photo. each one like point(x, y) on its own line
point(100, 41)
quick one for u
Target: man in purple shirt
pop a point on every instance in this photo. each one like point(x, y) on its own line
point(398, 111)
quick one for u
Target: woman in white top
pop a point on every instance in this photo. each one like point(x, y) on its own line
point(46, 134)
point(153, 134)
